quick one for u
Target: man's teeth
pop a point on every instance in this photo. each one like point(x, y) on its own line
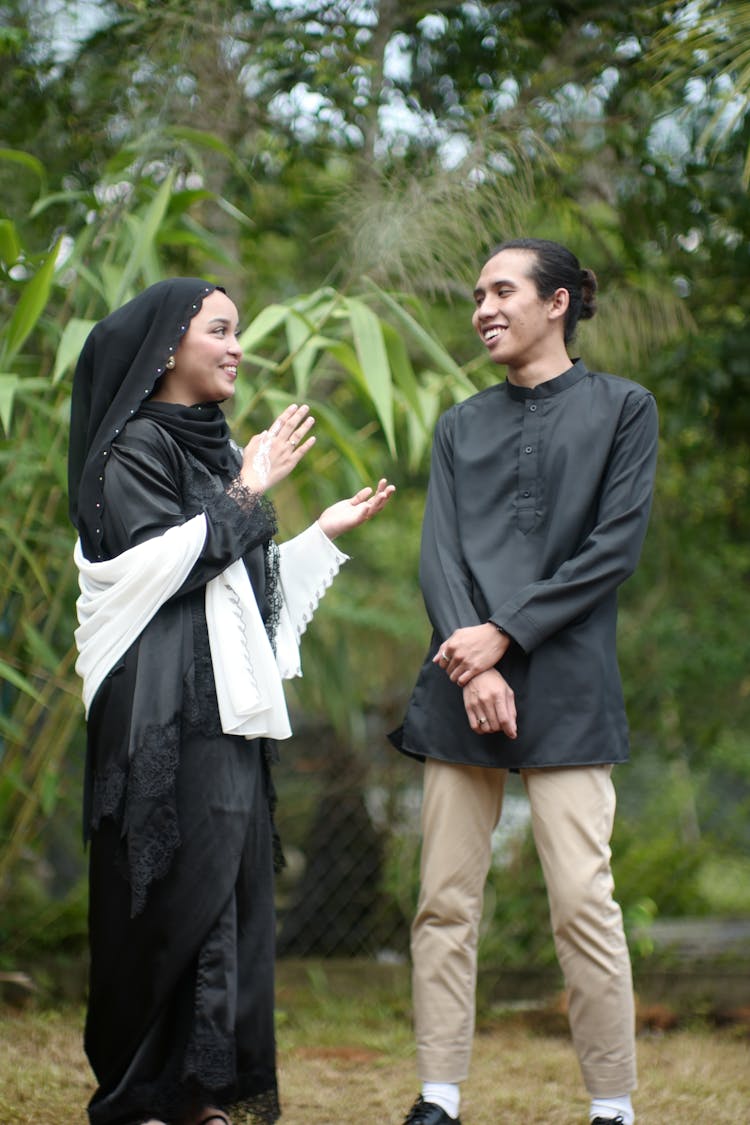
point(492, 333)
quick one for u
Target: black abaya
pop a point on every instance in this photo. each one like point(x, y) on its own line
point(181, 873)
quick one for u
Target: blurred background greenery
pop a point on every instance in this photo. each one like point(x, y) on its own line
point(341, 166)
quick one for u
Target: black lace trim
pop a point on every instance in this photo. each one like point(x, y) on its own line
point(261, 1108)
point(243, 496)
point(151, 824)
point(274, 599)
point(176, 1099)
point(150, 856)
point(154, 766)
point(108, 795)
point(271, 757)
point(253, 505)
point(200, 705)
point(210, 1061)
point(229, 503)
point(143, 800)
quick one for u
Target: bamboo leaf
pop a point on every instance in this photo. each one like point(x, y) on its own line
point(66, 197)
point(28, 555)
point(42, 653)
point(72, 340)
point(10, 244)
point(432, 348)
point(26, 160)
point(200, 137)
point(267, 320)
point(30, 306)
point(420, 429)
point(34, 385)
point(373, 359)
point(93, 280)
point(143, 242)
point(11, 676)
point(403, 370)
point(331, 422)
point(343, 436)
point(234, 212)
point(49, 791)
point(259, 361)
point(320, 302)
point(300, 336)
point(111, 277)
point(344, 354)
point(8, 386)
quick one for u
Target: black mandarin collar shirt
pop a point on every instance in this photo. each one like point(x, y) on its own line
point(536, 512)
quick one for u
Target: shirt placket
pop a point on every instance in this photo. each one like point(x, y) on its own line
point(528, 464)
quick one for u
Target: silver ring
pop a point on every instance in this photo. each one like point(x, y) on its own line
point(293, 443)
point(482, 720)
point(444, 656)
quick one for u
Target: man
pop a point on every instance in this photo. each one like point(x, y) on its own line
point(537, 507)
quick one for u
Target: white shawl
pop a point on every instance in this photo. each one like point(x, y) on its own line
point(120, 596)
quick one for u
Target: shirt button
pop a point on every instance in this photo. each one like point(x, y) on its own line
point(526, 495)
point(529, 449)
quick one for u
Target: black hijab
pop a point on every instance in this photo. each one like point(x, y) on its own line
point(121, 361)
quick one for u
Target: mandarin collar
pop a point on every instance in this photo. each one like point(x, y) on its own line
point(549, 386)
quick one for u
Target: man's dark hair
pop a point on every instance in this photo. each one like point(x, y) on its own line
point(555, 267)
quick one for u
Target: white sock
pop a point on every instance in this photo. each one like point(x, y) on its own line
point(445, 1094)
point(611, 1107)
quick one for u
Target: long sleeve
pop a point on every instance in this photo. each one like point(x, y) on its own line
point(143, 496)
point(444, 574)
point(609, 553)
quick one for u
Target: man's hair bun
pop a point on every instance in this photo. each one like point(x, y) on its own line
point(588, 294)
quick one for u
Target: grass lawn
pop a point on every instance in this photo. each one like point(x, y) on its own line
point(347, 1054)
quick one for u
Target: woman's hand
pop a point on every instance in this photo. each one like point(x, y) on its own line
point(269, 457)
point(363, 505)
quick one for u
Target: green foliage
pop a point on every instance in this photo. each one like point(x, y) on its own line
point(326, 346)
point(247, 143)
point(515, 926)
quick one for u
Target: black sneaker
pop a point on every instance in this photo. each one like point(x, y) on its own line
point(608, 1120)
point(428, 1113)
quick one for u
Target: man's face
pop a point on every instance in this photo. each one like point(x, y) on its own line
point(515, 325)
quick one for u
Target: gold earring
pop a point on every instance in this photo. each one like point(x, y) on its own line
point(170, 363)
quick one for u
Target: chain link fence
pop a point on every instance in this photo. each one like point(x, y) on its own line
point(349, 828)
point(350, 831)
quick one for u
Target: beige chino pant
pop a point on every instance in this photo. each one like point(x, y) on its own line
point(572, 812)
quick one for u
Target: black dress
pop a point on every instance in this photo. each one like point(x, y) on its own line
point(179, 814)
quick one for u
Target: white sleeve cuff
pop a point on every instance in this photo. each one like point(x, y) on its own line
point(308, 565)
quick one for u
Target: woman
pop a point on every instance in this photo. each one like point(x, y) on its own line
point(189, 617)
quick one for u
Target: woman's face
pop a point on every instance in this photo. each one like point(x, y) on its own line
point(207, 358)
